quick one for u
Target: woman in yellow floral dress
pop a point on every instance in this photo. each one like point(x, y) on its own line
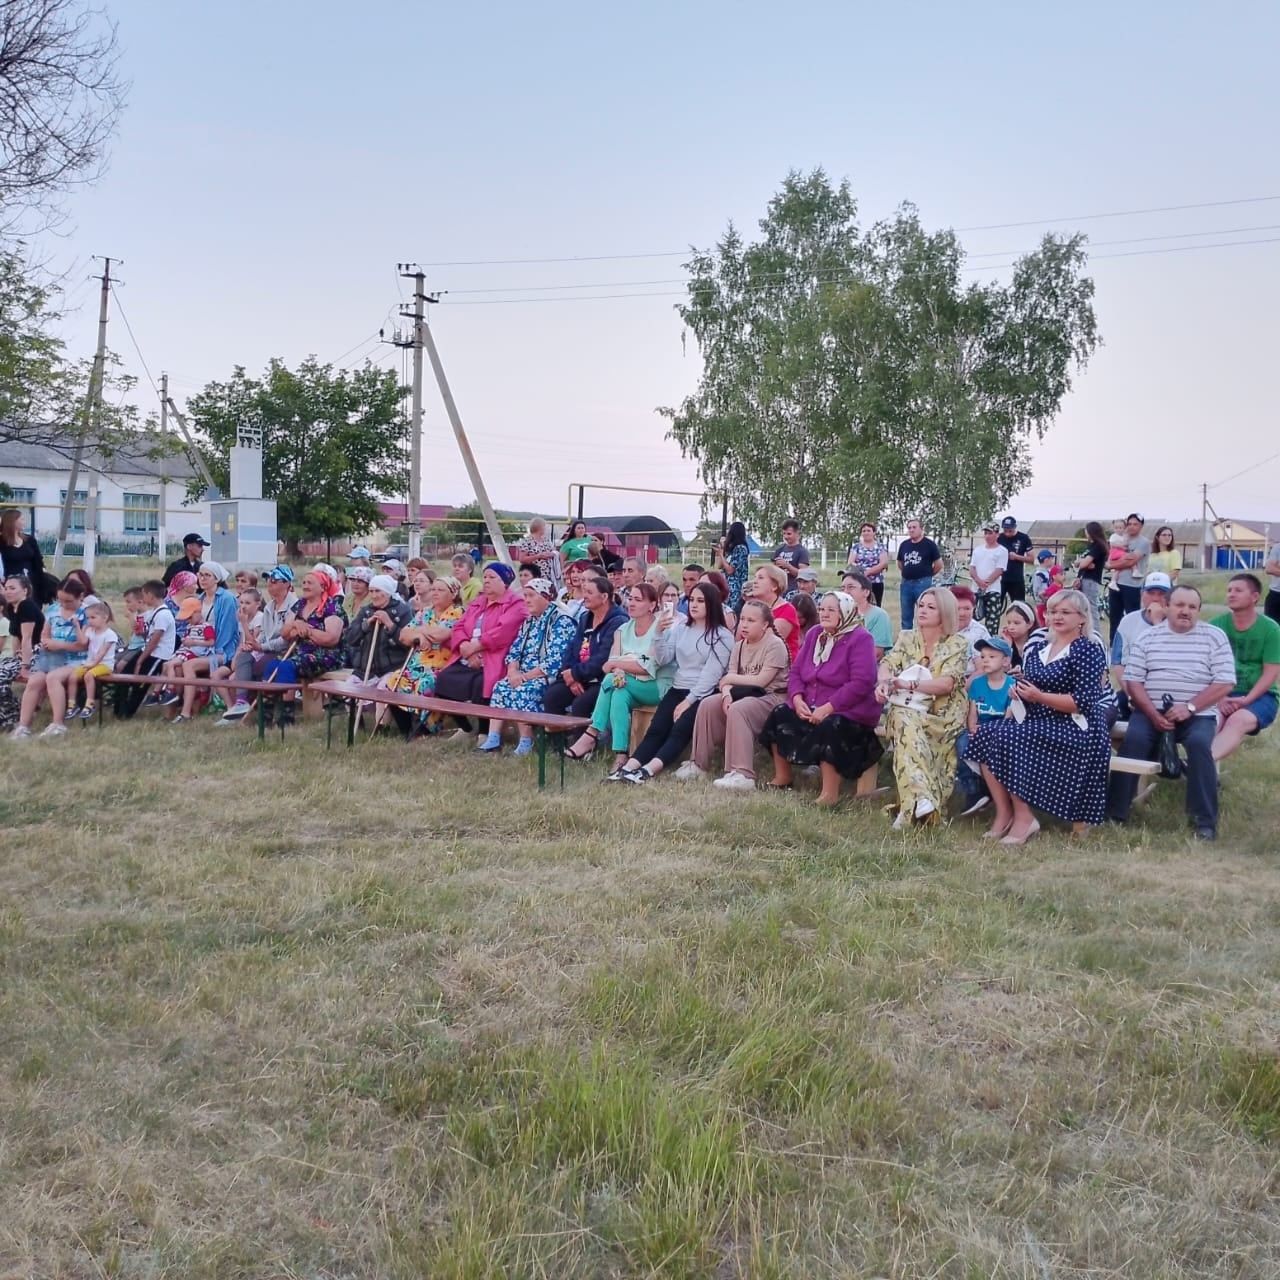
point(428, 635)
point(924, 736)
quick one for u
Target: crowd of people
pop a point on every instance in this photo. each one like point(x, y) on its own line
point(1006, 702)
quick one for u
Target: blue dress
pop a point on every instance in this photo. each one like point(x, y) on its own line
point(1049, 760)
point(542, 643)
point(739, 561)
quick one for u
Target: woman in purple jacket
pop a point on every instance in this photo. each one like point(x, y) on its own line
point(830, 715)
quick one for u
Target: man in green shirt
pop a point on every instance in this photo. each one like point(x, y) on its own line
point(1255, 645)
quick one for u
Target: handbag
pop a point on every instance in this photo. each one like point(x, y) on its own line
point(739, 691)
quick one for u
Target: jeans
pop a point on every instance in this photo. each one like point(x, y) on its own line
point(560, 700)
point(1091, 591)
point(911, 591)
point(973, 786)
point(1271, 606)
point(1196, 737)
point(667, 736)
point(614, 706)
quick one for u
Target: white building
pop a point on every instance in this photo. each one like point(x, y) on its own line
point(125, 487)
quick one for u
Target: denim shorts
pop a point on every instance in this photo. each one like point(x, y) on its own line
point(46, 662)
point(1263, 710)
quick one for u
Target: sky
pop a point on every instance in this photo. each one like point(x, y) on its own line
point(277, 160)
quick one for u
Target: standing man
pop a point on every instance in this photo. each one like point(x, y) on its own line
point(1272, 606)
point(918, 559)
point(1018, 545)
point(690, 576)
point(1255, 648)
point(1132, 566)
point(1184, 660)
point(791, 557)
point(193, 546)
point(987, 568)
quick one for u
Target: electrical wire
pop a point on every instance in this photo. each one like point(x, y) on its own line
point(1253, 466)
point(990, 226)
point(134, 340)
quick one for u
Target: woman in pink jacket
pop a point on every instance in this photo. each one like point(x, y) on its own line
point(481, 640)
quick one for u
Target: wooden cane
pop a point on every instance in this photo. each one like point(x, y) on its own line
point(382, 710)
point(285, 658)
point(368, 667)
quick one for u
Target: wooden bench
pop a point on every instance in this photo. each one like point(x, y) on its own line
point(260, 687)
point(543, 722)
point(1148, 769)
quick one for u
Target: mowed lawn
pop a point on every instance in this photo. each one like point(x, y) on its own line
point(275, 1011)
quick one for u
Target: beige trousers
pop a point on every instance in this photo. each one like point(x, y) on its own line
point(737, 731)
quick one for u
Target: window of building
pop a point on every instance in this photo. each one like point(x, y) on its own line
point(141, 512)
point(78, 506)
point(25, 501)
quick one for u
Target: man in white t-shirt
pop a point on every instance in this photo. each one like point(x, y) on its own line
point(988, 564)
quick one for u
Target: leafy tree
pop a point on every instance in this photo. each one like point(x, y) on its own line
point(331, 442)
point(60, 100)
point(461, 523)
point(849, 374)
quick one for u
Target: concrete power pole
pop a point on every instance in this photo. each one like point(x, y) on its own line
point(162, 536)
point(92, 417)
point(1206, 554)
point(414, 515)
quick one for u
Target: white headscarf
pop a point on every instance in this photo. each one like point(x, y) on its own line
point(850, 620)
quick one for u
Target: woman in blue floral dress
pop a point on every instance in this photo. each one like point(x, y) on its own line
point(733, 556)
point(870, 556)
point(536, 657)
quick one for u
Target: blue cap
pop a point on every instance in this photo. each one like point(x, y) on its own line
point(998, 643)
point(1046, 554)
point(281, 573)
point(359, 553)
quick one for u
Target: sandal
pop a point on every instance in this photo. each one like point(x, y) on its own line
point(571, 754)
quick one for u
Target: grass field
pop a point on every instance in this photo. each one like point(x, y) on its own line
point(268, 1011)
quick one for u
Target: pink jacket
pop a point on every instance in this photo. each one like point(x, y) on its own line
point(498, 620)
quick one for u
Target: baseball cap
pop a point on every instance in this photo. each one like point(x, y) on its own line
point(359, 553)
point(1008, 523)
point(998, 643)
point(1046, 554)
point(192, 538)
point(281, 573)
point(188, 609)
point(990, 527)
point(393, 566)
point(1157, 581)
point(809, 575)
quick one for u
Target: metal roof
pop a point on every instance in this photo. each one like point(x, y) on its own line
point(125, 461)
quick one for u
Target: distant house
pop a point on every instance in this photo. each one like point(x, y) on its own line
point(127, 489)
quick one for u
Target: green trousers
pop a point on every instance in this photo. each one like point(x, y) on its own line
point(613, 707)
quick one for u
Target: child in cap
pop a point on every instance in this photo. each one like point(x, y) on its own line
point(100, 657)
point(1046, 562)
point(990, 698)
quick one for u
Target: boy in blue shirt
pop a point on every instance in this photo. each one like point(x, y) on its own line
point(990, 694)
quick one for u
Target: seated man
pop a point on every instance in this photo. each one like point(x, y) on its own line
point(632, 575)
point(1255, 647)
point(1175, 675)
point(1155, 607)
point(806, 585)
point(576, 688)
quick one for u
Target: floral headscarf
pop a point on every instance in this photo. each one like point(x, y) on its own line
point(850, 620)
point(181, 581)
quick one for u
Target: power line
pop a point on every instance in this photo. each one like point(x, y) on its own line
point(1253, 466)
point(828, 279)
point(1180, 235)
point(990, 226)
point(138, 349)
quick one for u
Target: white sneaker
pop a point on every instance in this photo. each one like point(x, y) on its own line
point(735, 782)
point(54, 731)
point(903, 820)
point(460, 735)
point(688, 772)
point(21, 733)
point(924, 807)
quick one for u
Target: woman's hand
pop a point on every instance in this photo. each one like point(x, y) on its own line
point(515, 678)
point(684, 706)
point(666, 621)
point(801, 707)
point(1025, 691)
point(884, 689)
point(381, 616)
point(819, 714)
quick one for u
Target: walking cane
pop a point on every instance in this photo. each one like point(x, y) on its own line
point(368, 667)
point(288, 653)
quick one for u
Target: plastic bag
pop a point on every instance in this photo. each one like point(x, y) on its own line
point(1172, 765)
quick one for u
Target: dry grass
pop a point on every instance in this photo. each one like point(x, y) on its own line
point(273, 1012)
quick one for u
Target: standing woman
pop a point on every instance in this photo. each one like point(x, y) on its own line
point(699, 644)
point(20, 554)
point(830, 716)
point(1058, 758)
point(536, 657)
point(573, 546)
point(1164, 556)
point(870, 556)
point(1090, 565)
point(924, 738)
point(732, 556)
point(630, 678)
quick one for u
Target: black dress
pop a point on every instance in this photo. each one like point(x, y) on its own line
point(25, 561)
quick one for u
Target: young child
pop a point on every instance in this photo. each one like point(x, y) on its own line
point(1046, 563)
point(193, 658)
point(990, 698)
point(100, 657)
point(137, 628)
point(159, 642)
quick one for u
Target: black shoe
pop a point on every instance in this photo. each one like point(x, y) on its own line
point(1206, 833)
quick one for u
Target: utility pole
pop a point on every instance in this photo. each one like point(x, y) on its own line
point(1206, 543)
point(162, 539)
point(418, 314)
point(92, 416)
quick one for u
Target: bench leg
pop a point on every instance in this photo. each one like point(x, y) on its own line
point(262, 718)
point(328, 729)
point(351, 723)
point(542, 757)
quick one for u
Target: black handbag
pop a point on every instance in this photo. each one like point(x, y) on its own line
point(739, 691)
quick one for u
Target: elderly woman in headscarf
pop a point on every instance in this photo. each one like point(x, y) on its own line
point(373, 638)
point(481, 642)
point(536, 657)
point(358, 579)
point(312, 634)
point(427, 637)
point(830, 715)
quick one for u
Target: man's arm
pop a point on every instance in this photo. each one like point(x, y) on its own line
point(1270, 672)
point(1208, 697)
point(937, 566)
point(1138, 698)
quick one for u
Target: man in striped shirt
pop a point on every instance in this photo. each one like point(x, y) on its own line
point(1189, 663)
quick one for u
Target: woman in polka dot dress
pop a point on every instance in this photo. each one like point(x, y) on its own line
point(1056, 759)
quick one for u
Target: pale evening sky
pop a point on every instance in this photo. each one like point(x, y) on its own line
point(277, 159)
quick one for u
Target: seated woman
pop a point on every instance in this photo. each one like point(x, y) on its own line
point(874, 618)
point(769, 584)
point(420, 584)
point(357, 595)
point(25, 623)
point(1057, 759)
point(721, 584)
point(830, 715)
point(537, 655)
point(373, 639)
point(427, 638)
point(312, 636)
point(480, 643)
point(750, 689)
point(571, 596)
point(924, 734)
point(219, 608)
point(630, 678)
point(806, 608)
point(700, 645)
